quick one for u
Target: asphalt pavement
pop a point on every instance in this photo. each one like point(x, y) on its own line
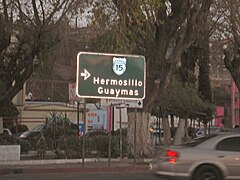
point(73, 165)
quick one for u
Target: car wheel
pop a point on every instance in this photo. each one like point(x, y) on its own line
point(207, 172)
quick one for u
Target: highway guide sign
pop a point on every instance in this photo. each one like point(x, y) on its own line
point(112, 76)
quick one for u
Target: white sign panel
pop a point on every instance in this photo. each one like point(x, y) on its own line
point(129, 103)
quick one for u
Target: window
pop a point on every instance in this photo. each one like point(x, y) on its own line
point(236, 96)
point(229, 144)
point(237, 112)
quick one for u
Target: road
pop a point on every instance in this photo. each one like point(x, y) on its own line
point(83, 176)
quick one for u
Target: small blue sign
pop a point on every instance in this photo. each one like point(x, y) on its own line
point(81, 129)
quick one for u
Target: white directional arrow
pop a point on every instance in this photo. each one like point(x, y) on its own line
point(85, 74)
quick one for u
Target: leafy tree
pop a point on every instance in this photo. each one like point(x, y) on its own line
point(159, 30)
point(227, 34)
point(8, 112)
point(231, 51)
point(182, 100)
point(28, 30)
point(188, 65)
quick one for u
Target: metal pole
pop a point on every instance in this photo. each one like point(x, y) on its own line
point(84, 131)
point(135, 134)
point(109, 147)
point(78, 117)
point(120, 119)
point(110, 138)
point(113, 121)
point(159, 129)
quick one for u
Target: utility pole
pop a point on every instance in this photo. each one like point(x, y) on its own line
point(120, 107)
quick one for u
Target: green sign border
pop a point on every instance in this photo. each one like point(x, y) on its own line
point(127, 56)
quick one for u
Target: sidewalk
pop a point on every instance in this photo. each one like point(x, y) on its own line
point(73, 165)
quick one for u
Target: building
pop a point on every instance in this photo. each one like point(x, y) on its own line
point(219, 116)
point(220, 84)
point(235, 105)
point(32, 113)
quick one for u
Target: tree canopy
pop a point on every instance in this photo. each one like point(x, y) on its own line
point(183, 100)
point(28, 30)
point(159, 30)
point(226, 15)
point(232, 47)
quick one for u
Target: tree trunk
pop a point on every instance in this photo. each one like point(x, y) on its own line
point(180, 133)
point(144, 145)
point(227, 119)
point(187, 136)
point(166, 131)
point(205, 129)
point(172, 126)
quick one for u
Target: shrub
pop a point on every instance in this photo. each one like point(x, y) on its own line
point(72, 146)
point(6, 139)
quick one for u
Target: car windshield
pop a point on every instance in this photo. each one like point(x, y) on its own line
point(38, 127)
point(199, 140)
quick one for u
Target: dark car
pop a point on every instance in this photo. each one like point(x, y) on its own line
point(35, 131)
point(211, 130)
point(58, 123)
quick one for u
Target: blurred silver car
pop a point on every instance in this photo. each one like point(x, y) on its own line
point(211, 157)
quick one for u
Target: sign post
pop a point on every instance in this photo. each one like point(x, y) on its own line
point(113, 77)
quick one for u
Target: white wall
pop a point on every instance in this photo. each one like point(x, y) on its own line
point(124, 118)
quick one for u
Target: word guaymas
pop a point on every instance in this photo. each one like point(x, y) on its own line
point(111, 86)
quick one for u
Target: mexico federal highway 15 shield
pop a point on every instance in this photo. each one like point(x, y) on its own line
point(113, 76)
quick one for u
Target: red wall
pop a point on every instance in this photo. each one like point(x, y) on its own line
point(235, 104)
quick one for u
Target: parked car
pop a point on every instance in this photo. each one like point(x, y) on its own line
point(213, 129)
point(211, 157)
point(35, 131)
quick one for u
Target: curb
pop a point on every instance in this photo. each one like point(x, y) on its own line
point(68, 161)
point(72, 165)
point(45, 161)
point(71, 170)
